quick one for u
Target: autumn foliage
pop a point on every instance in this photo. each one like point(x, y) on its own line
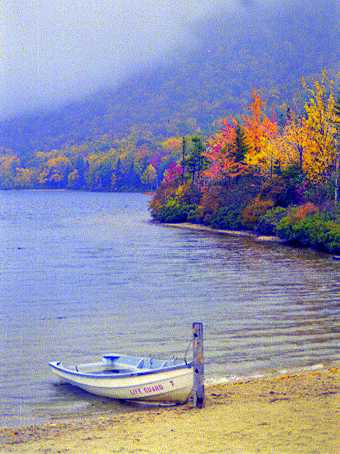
point(221, 154)
point(256, 172)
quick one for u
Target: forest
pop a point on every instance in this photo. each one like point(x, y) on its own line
point(258, 173)
point(128, 164)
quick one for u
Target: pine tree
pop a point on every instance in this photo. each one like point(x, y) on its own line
point(196, 161)
point(241, 148)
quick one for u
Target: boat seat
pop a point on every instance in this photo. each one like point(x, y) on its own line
point(145, 363)
point(140, 364)
point(148, 363)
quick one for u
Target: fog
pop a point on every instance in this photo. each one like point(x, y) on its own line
point(53, 52)
point(56, 51)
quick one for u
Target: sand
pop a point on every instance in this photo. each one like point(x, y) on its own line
point(295, 413)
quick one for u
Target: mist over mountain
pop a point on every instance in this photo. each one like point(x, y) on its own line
point(57, 52)
point(268, 46)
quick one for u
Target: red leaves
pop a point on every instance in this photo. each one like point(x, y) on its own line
point(173, 173)
point(221, 153)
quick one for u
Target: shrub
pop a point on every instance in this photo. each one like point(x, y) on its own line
point(209, 204)
point(173, 203)
point(254, 211)
point(305, 210)
point(227, 218)
point(193, 215)
point(314, 230)
point(174, 211)
point(291, 182)
point(162, 195)
point(268, 222)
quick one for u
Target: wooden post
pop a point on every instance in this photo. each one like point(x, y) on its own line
point(198, 364)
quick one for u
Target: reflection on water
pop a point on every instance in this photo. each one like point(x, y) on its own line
point(83, 274)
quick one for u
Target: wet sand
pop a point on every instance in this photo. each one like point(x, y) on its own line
point(293, 413)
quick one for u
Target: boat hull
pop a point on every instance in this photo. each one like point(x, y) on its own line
point(168, 386)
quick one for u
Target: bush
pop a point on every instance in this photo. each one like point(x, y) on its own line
point(314, 230)
point(209, 204)
point(305, 210)
point(227, 218)
point(293, 189)
point(173, 203)
point(174, 211)
point(268, 222)
point(252, 213)
point(193, 215)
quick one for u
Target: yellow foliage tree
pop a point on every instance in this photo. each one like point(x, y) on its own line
point(320, 130)
point(172, 144)
point(8, 166)
point(24, 178)
point(149, 177)
point(275, 152)
point(295, 140)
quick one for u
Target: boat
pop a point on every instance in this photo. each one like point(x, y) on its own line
point(131, 378)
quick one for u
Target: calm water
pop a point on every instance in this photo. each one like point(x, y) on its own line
point(86, 273)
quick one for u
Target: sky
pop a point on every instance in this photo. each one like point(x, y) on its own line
point(57, 51)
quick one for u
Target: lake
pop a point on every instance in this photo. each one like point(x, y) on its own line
point(87, 273)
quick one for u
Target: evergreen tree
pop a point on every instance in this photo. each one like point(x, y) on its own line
point(196, 162)
point(241, 147)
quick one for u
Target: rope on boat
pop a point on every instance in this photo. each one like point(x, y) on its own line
point(187, 350)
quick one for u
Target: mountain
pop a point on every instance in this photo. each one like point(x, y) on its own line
point(268, 47)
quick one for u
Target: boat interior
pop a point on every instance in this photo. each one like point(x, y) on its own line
point(124, 364)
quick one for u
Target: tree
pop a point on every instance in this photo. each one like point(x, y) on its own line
point(73, 179)
point(295, 137)
point(173, 144)
point(258, 128)
point(24, 178)
point(319, 125)
point(241, 148)
point(195, 161)
point(8, 166)
point(222, 155)
point(149, 177)
point(58, 168)
point(173, 173)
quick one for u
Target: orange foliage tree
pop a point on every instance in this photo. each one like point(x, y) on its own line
point(259, 131)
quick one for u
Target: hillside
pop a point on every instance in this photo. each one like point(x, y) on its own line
point(265, 47)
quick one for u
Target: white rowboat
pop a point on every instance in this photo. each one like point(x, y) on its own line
point(131, 378)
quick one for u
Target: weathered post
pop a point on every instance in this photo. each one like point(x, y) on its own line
point(198, 364)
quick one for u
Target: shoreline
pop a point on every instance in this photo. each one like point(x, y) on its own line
point(244, 234)
point(238, 233)
point(293, 412)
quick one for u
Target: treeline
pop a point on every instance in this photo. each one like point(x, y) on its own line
point(261, 174)
point(128, 164)
point(134, 163)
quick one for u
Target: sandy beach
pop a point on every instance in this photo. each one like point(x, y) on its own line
point(294, 413)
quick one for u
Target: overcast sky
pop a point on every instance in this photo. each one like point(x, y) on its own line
point(57, 50)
